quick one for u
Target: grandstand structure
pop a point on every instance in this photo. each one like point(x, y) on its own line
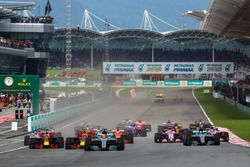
point(219, 39)
point(23, 39)
point(145, 44)
point(27, 42)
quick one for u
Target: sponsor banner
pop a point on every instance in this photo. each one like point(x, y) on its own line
point(195, 83)
point(167, 68)
point(129, 83)
point(149, 83)
point(172, 83)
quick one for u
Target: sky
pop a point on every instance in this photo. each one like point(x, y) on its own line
point(125, 13)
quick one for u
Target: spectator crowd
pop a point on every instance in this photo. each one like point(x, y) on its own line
point(15, 100)
point(32, 19)
point(17, 44)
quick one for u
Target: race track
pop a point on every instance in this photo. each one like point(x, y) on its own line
point(180, 107)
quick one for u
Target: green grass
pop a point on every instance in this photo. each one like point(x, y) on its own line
point(223, 114)
point(94, 74)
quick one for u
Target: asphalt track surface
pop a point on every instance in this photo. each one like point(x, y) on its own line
point(180, 106)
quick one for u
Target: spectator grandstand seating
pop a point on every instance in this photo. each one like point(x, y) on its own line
point(17, 44)
point(81, 58)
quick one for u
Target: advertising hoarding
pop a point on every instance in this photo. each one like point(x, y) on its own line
point(168, 68)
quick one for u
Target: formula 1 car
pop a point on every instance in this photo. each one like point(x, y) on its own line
point(44, 138)
point(138, 129)
point(104, 141)
point(200, 137)
point(169, 136)
point(158, 98)
point(169, 132)
point(165, 125)
point(81, 133)
point(224, 136)
point(126, 134)
point(200, 124)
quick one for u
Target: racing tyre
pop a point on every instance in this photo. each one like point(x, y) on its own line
point(216, 139)
point(26, 140)
point(130, 138)
point(60, 142)
point(87, 144)
point(157, 138)
point(120, 144)
point(32, 143)
point(225, 136)
point(187, 138)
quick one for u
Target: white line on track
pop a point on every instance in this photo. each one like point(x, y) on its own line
point(11, 143)
point(15, 149)
point(209, 120)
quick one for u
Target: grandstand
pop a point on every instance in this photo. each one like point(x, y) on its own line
point(139, 45)
point(23, 39)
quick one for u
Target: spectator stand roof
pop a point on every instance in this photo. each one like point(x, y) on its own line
point(8, 9)
point(229, 18)
point(140, 34)
point(6, 13)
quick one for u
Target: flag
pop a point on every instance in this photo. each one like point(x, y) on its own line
point(48, 8)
